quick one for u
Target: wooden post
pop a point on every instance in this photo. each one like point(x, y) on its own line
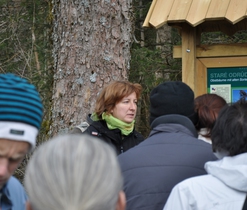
point(189, 55)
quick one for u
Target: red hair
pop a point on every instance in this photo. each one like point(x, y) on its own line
point(207, 107)
point(114, 93)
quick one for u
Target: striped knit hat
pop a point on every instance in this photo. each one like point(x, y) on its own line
point(21, 109)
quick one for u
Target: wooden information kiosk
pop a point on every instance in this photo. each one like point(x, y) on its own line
point(219, 68)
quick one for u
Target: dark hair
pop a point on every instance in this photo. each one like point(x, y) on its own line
point(230, 130)
point(113, 93)
point(207, 107)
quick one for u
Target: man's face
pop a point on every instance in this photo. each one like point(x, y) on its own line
point(11, 154)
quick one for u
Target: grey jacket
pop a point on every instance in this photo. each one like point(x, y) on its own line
point(169, 155)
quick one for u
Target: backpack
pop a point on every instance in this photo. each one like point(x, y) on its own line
point(80, 128)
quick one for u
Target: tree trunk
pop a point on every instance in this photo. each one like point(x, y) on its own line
point(92, 41)
point(163, 41)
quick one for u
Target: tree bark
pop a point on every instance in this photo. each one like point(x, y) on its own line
point(92, 41)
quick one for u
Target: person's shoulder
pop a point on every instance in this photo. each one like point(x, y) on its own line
point(138, 135)
point(191, 187)
point(198, 146)
point(83, 126)
point(195, 181)
point(97, 126)
point(198, 142)
point(14, 183)
point(80, 128)
point(214, 190)
point(132, 154)
point(16, 190)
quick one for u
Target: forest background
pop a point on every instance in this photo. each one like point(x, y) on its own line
point(39, 38)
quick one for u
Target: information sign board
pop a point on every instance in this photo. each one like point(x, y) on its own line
point(228, 82)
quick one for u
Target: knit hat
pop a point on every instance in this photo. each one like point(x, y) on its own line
point(172, 98)
point(20, 109)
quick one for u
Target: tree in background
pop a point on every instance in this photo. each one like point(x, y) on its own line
point(151, 60)
point(25, 31)
point(91, 41)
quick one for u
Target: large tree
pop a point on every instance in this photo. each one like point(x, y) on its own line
point(92, 40)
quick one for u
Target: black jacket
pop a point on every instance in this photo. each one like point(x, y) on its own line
point(113, 137)
point(169, 155)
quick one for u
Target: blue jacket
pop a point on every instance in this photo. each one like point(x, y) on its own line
point(13, 195)
point(169, 155)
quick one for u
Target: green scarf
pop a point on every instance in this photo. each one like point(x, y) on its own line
point(114, 123)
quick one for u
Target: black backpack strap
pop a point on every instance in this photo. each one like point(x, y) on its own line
point(245, 204)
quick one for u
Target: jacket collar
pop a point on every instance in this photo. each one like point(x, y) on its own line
point(114, 134)
point(5, 198)
point(89, 120)
point(175, 119)
point(228, 169)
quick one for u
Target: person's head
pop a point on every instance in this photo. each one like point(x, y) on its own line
point(74, 172)
point(20, 118)
point(172, 98)
point(119, 99)
point(229, 134)
point(207, 107)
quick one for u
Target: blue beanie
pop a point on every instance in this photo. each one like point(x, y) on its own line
point(20, 103)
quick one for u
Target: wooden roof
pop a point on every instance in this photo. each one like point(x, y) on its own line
point(195, 12)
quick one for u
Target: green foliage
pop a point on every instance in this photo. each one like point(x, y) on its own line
point(149, 68)
point(151, 62)
point(220, 37)
point(25, 42)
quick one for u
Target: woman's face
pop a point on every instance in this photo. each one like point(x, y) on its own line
point(125, 110)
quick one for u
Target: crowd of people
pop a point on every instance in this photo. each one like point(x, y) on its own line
point(195, 156)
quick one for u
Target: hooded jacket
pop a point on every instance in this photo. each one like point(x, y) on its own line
point(224, 188)
point(13, 195)
point(169, 155)
point(113, 137)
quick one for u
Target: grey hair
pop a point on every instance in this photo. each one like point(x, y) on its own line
point(75, 172)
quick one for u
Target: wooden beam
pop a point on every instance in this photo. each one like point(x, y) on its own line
point(220, 25)
point(201, 79)
point(189, 55)
point(224, 62)
point(150, 11)
point(217, 50)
